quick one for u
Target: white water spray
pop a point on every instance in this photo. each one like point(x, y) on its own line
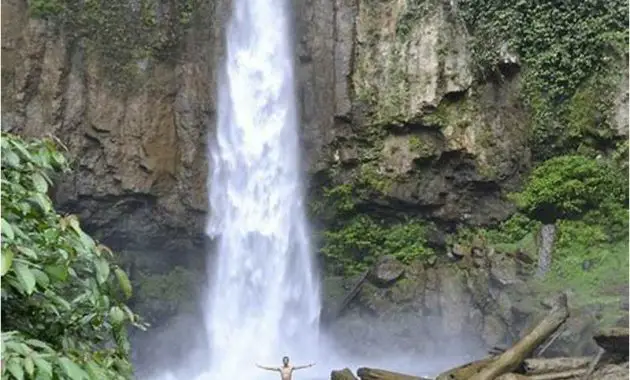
point(264, 301)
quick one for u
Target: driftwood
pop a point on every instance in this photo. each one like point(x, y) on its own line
point(612, 372)
point(593, 364)
point(512, 376)
point(466, 371)
point(514, 356)
point(496, 350)
point(493, 367)
point(541, 366)
point(379, 374)
point(564, 375)
point(541, 350)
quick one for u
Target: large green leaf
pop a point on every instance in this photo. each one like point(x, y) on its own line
point(74, 223)
point(15, 368)
point(7, 260)
point(22, 150)
point(71, 369)
point(116, 315)
point(42, 202)
point(123, 281)
point(39, 182)
point(87, 241)
point(58, 272)
point(25, 277)
point(10, 159)
point(29, 366)
point(27, 252)
point(43, 366)
point(41, 278)
point(102, 270)
point(7, 230)
point(38, 344)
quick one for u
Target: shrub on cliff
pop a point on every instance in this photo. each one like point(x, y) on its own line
point(569, 187)
point(354, 246)
point(63, 311)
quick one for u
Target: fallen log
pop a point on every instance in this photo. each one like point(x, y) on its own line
point(612, 372)
point(493, 367)
point(344, 374)
point(496, 350)
point(512, 376)
point(564, 375)
point(593, 364)
point(466, 371)
point(541, 350)
point(512, 358)
point(534, 366)
point(380, 374)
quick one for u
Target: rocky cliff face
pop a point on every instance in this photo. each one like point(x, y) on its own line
point(394, 100)
point(381, 92)
point(137, 135)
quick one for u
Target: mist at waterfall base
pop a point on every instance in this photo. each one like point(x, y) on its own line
point(263, 301)
point(179, 351)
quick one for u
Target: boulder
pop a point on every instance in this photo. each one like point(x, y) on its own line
point(613, 339)
point(387, 271)
point(344, 374)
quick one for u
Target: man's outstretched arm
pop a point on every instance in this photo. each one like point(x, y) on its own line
point(303, 366)
point(268, 368)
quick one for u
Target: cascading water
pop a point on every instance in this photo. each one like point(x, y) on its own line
point(264, 300)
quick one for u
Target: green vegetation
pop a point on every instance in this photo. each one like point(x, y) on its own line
point(518, 233)
point(587, 200)
point(568, 187)
point(359, 242)
point(63, 310)
point(46, 8)
point(590, 261)
point(353, 241)
point(563, 45)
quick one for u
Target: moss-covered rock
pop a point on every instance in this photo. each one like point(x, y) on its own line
point(162, 296)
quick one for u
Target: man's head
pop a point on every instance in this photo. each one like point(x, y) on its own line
point(285, 361)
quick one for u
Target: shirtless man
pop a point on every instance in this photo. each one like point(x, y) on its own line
point(286, 371)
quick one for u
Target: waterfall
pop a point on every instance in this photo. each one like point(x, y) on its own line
point(264, 300)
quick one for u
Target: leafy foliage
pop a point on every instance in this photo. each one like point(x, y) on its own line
point(562, 44)
point(568, 187)
point(588, 202)
point(63, 311)
point(355, 245)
